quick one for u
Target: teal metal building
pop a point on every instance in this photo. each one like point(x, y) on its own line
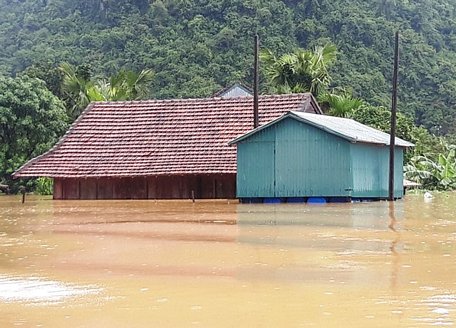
point(301, 155)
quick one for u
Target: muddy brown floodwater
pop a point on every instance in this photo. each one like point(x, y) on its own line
point(224, 264)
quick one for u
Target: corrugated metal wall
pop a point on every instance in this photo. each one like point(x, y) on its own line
point(256, 165)
point(370, 165)
point(310, 162)
point(293, 159)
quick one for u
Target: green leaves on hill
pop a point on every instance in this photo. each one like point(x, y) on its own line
point(197, 47)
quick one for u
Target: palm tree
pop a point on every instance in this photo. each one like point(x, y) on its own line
point(135, 85)
point(125, 85)
point(74, 87)
point(341, 105)
point(301, 71)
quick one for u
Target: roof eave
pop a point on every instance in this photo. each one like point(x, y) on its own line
point(16, 174)
point(318, 126)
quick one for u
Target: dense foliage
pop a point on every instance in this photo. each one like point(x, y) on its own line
point(300, 71)
point(196, 47)
point(435, 169)
point(78, 88)
point(31, 120)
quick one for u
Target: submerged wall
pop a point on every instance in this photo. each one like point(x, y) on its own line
point(294, 159)
point(370, 166)
point(158, 187)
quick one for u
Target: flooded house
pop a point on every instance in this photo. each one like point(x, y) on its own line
point(301, 155)
point(157, 149)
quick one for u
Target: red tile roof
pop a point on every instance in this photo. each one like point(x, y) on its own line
point(158, 137)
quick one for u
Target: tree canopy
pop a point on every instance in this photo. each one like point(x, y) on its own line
point(78, 88)
point(300, 71)
point(31, 121)
point(198, 47)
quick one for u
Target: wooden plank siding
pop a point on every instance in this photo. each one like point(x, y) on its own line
point(156, 187)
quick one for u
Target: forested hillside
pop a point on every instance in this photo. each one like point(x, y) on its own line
point(198, 46)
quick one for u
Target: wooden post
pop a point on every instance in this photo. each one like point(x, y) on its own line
point(22, 191)
point(256, 82)
point(393, 120)
point(193, 196)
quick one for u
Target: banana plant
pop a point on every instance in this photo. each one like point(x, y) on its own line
point(438, 173)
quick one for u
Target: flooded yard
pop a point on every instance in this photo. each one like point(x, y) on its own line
point(224, 264)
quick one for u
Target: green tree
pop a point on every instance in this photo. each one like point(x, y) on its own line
point(380, 118)
point(75, 85)
point(31, 121)
point(125, 85)
point(341, 105)
point(300, 71)
point(50, 74)
point(80, 89)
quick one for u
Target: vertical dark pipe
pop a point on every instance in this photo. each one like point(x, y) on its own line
point(256, 82)
point(393, 120)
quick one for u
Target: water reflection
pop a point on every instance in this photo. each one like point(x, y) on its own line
point(40, 291)
point(318, 243)
point(394, 246)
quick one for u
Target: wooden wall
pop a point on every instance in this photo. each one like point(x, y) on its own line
point(158, 187)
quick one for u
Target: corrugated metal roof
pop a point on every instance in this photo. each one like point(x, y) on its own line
point(350, 129)
point(345, 128)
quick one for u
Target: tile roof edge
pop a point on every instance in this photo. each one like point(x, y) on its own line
point(17, 173)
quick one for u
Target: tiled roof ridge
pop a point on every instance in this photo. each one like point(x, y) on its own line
point(59, 143)
point(304, 95)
